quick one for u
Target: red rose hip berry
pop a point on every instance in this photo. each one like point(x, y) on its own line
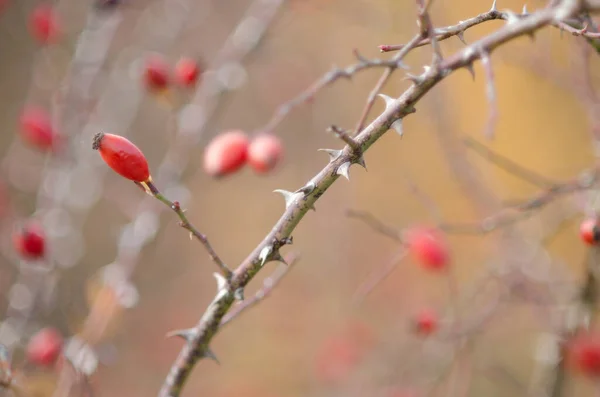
point(589, 231)
point(156, 73)
point(426, 322)
point(187, 72)
point(36, 128)
point(30, 241)
point(44, 24)
point(45, 347)
point(428, 247)
point(226, 153)
point(265, 152)
point(583, 353)
point(122, 156)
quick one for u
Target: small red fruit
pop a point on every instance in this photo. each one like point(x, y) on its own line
point(156, 73)
point(426, 322)
point(122, 156)
point(589, 231)
point(428, 247)
point(583, 353)
point(36, 128)
point(226, 153)
point(265, 152)
point(30, 241)
point(336, 359)
point(186, 72)
point(44, 24)
point(45, 347)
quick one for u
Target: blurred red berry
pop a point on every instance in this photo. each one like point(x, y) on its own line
point(336, 359)
point(122, 156)
point(265, 152)
point(426, 322)
point(45, 347)
point(187, 72)
point(583, 353)
point(30, 241)
point(44, 24)
point(36, 128)
point(589, 231)
point(428, 247)
point(156, 73)
point(226, 153)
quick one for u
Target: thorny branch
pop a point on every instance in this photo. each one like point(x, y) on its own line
point(268, 284)
point(198, 340)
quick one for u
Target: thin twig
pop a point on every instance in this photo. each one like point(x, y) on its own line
point(186, 224)
point(509, 165)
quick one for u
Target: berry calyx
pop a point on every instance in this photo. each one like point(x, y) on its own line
point(589, 231)
point(426, 322)
point(45, 347)
point(36, 128)
point(30, 241)
point(156, 73)
point(265, 152)
point(583, 353)
point(187, 72)
point(122, 156)
point(44, 24)
point(226, 153)
point(428, 247)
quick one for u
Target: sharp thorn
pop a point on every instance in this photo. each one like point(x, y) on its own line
point(471, 70)
point(461, 37)
point(494, 6)
point(415, 79)
point(524, 12)
point(277, 257)
point(210, 354)
point(221, 281)
point(307, 189)
point(344, 169)
point(361, 162)
point(389, 101)
point(398, 127)
point(333, 154)
point(288, 196)
point(264, 254)
point(185, 334)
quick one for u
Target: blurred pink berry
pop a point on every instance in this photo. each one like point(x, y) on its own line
point(156, 73)
point(44, 24)
point(187, 72)
point(426, 322)
point(428, 247)
point(36, 128)
point(583, 353)
point(265, 152)
point(30, 241)
point(589, 231)
point(226, 153)
point(45, 347)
